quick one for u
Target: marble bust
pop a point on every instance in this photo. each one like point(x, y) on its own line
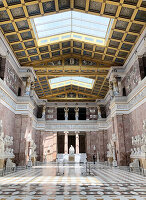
point(71, 150)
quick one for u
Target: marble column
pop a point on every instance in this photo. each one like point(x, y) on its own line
point(77, 142)
point(66, 142)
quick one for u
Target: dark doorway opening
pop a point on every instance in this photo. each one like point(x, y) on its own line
point(39, 111)
point(142, 67)
point(71, 114)
point(82, 113)
point(19, 92)
point(82, 148)
point(60, 114)
point(124, 91)
point(60, 143)
point(71, 141)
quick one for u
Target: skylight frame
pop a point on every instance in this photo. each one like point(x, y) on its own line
point(76, 30)
point(71, 80)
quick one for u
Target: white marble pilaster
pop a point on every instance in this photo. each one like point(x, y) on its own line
point(77, 142)
point(66, 142)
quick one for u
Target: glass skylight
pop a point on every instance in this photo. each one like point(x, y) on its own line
point(71, 22)
point(71, 80)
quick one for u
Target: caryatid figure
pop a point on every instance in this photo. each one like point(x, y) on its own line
point(32, 89)
point(115, 86)
point(28, 86)
point(66, 112)
point(44, 112)
point(77, 113)
point(99, 112)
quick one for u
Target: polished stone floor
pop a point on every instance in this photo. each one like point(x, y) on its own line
point(52, 181)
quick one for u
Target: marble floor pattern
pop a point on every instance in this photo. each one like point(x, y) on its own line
point(71, 182)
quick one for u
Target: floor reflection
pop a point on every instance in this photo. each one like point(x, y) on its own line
point(54, 179)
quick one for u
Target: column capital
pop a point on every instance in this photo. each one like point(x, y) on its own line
point(66, 132)
point(77, 132)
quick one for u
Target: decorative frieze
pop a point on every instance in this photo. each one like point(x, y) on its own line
point(49, 116)
point(50, 110)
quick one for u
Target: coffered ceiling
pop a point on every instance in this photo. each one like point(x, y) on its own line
point(72, 57)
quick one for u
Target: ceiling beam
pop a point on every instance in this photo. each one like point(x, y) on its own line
point(103, 74)
point(74, 67)
point(72, 91)
point(67, 98)
point(97, 61)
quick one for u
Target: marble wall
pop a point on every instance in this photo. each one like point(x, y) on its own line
point(12, 79)
point(8, 119)
point(23, 131)
point(125, 126)
point(99, 139)
point(49, 146)
point(132, 78)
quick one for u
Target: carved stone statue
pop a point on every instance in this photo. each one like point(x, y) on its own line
point(144, 124)
point(72, 61)
point(9, 153)
point(97, 156)
point(143, 149)
point(115, 86)
point(8, 140)
point(99, 112)
point(66, 112)
point(71, 150)
point(132, 152)
point(33, 148)
point(44, 112)
point(76, 113)
point(32, 89)
point(133, 140)
point(10, 165)
point(110, 151)
point(28, 86)
point(134, 164)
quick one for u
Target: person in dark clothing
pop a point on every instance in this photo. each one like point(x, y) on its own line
point(94, 157)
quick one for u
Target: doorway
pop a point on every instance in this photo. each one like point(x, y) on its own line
point(71, 114)
point(60, 143)
point(71, 141)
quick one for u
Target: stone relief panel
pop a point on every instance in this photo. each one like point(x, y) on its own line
point(92, 113)
point(51, 113)
point(132, 78)
point(12, 79)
